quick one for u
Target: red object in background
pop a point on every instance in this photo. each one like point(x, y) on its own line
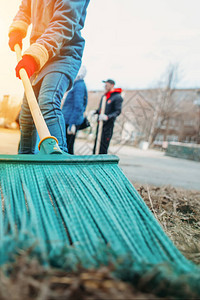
point(117, 90)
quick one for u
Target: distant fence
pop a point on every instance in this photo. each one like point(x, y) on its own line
point(186, 151)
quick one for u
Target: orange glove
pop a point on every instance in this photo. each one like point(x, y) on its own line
point(28, 63)
point(15, 37)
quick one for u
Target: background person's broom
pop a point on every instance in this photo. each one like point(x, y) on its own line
point(100, 127)
point(83, 210)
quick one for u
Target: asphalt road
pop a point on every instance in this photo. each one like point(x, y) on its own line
point(146, 167)
point(154, 167)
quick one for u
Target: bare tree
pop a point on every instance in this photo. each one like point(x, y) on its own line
point(165, 105)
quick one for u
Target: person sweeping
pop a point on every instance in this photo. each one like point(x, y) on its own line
point(113, 107)
point(52, 61)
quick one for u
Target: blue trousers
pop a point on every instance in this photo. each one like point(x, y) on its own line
point(49, 93)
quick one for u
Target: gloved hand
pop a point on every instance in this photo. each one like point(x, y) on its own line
point(93, 112)
point(103, 117)
point(15, 37)
point(28, 63)
point(71, 129)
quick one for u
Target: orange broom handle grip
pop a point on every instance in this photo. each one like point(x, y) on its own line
point(38, 118)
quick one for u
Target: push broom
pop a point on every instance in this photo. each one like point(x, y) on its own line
point(83, 210)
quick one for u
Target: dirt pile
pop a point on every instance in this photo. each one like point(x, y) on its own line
point(178, 212)
point(28, 280)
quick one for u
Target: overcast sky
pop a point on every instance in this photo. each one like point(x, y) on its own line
point(131, 41)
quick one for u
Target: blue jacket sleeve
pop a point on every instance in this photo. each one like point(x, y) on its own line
point(63, 20)
point(79, 102)
point(22, 19)
point(24, 12)
point(85, 98)
point(64, 23)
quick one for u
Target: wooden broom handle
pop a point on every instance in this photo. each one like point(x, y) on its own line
point(99, 134)
point(38, 119)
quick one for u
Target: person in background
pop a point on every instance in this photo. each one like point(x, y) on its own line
point(52, 61)
point(112, 111)
point(74, 107)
